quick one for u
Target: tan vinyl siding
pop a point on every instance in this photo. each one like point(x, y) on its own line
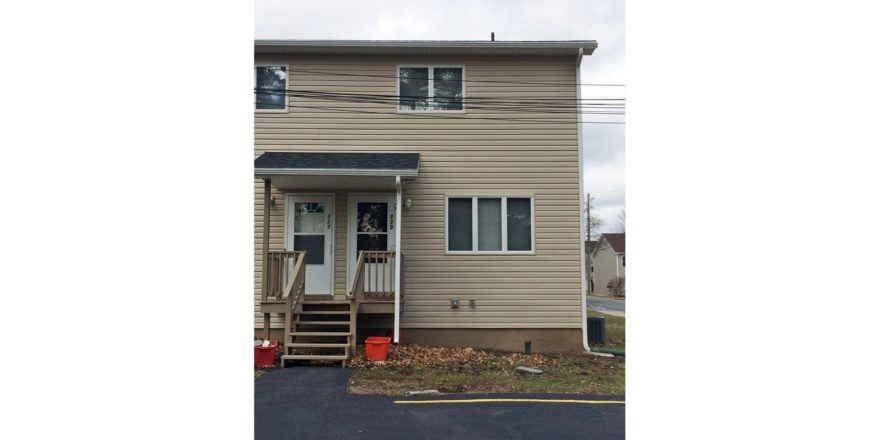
point(463, 156)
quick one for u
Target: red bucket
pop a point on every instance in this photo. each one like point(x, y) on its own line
point(377, 348)
point(265, 356)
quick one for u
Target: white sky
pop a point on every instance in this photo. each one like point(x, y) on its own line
point(474, 20)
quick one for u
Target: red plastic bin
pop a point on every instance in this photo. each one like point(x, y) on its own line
point(377, 348)
point(265, 356)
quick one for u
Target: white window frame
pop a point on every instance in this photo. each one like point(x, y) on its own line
point(475, 223)
point(431, 68)
point(286, 88)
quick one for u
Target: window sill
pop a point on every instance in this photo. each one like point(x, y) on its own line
point(461, 112)
point(490, 252)
point(271, 110)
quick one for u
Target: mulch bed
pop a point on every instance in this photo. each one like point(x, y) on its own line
point(412, 354)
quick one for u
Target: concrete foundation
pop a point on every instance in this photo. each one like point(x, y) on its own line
point(544, 340)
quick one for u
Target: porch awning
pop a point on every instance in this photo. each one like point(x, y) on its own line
point(325, 171)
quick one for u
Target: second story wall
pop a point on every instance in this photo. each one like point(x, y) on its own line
point(325, 124)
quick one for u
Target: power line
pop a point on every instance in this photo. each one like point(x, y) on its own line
point(319, 72)
point(513, 106)
point(364, 97)
point(528, 110)
point(608, 191)
point(465, 98)
point(463, 117)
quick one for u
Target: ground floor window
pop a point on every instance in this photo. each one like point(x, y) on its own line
point(489, 224)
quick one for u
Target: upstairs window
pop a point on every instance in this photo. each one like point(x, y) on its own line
point(270, 87)
point(489, 225)
point(431, 88)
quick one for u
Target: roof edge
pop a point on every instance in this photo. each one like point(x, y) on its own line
point(267, 44)
point(412, 172)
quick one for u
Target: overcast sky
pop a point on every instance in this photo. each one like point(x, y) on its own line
point(474, 20)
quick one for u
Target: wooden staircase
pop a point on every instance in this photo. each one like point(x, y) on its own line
point(324, 329)
point(320, 330)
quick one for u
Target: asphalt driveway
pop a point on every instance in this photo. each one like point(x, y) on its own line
point(311, 402)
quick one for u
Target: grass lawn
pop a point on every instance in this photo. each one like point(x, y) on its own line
point(464, 370)
point(615, 330)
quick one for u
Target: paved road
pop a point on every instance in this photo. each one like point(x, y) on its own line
point(606, 304)
point(311, 402)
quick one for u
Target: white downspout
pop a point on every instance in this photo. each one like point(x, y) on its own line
point(399, 209)
point(583, 221)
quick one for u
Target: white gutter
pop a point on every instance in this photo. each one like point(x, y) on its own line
point(583, 221)
point(397, 244)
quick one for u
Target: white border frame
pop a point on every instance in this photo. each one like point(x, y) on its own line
point(475, 223)
point(287, 232)
point(286, 88)
point(350, 229)
point(431, 68)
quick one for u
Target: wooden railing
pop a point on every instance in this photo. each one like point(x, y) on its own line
point(379, 274)
point(278, 266)
point(373, 280)
point(373, 276)
point(293, 292)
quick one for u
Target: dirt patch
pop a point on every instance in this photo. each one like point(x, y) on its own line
point(260, 371)
point(420, 355)
point(466, 370)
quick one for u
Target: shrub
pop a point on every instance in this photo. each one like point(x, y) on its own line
point(617, 286)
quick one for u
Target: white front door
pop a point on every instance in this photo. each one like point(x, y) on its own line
point(310, 229)
point(370, 226)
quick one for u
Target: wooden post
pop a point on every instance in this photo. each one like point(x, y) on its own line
point(398, 248)
point(267, 201)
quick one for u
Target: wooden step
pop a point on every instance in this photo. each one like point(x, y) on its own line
point(315, 345)
point(320, 334)
point(322, 322)
point(324, 312)
point(316, 357)
point(326, 302)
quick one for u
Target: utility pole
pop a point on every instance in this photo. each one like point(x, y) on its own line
point(588, 218)
point(589, 254)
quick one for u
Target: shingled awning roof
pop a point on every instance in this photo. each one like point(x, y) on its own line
point(340, 164)
point(336, 171)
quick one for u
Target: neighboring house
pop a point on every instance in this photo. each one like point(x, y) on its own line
point(418, 189)
point(609, 261)
point(589, 245)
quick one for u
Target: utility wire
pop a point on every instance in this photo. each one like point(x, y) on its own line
point(362, 97)
point(486, 105)
point(463, 117)
point(466, 98)
point(509, 109)
point(319, 72)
